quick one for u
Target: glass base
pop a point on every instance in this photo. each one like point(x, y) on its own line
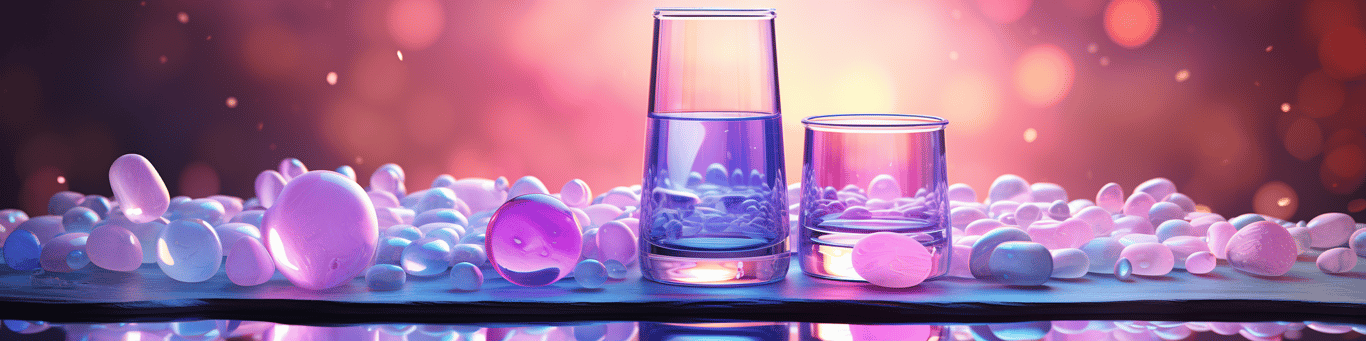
point(835, 261)
point(716, 272)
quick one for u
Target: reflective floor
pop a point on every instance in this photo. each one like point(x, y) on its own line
point(656, 331)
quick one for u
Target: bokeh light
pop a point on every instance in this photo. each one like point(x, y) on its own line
point(231, 102)
point(1004, 11)
point(1343, 52)
point(1030, 135)
point(971, 101)
point(1356, 205)
point(1043, 75)
point(415, 24)
point(1304, 139)
point(199, 180)
point(1320, 95)
point(1276, 199)
point(1343, 168)
point(1183, 75)
point(1132, 23)
point(1285, 107)
point(331, 78)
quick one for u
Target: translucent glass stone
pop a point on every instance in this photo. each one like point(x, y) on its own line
point(208, 210)
point(1184, 246)
point(1218, 235)
point(427, 256)
point(291, 168)
point(22, 251)
point(389, 178)
point(527, 185)
point(616, 241)
point(231, 205)
point(480, 194)
point(1201, 262)
point(321, 208)
point(385, 277)
point(138, 188)
point(599, 214)
point(1070, 263)
point(1149, 259)
point(576, 193)
point(249, 263)
point(148, 232)
point(349, 172)
point(1124, 270)
point(1139, 204)
point(1262, 248)
point(963, 216)
point(981, 250)
point(891, 260)
point(1245, 219)
point(1103, 252)
point(268, 186)
point(1174, 228)
point(10, 219)
point(957, 192)
point(403, 231)
point(229, 233)
point(1047, 192)
point(615, 269)
point(466, 277)
point(590, 274)
point(1009, 187)
point(1055, 235)
point(188, 250)
point(44, 227)
point(1021, 263)
point(114, 248)
point(1358, 242)
point(79, 219)
point(1111, 198)
point(469, 253)
point(77, 260)
point(56, 251)
point(252, 217)
point(63, 201)
point(390, 250)
point(441, 216)
point(533, 240)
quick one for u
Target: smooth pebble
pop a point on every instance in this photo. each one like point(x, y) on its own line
point(444, 215)
point(616, 241)
point(1124, 269)
point(79, 219)
point(1243, 220)
point(23, 251)
point(1331, 229)
point(1021, 263)
point(469, 253)
point(1054, 235)
point(1134, 224)
point(390, 178)
point(590, 274)
point(44, 227)
point(1218, 235)
point(1157, 188)
point(268, 186)
point(1202, 262)
point(1103, 252)
point(479, 194)
point(1098, 218)
point(884, 187)
point(385, 277)
point(427, 256)
point(77, 260)
point(1184, 246)
point(1009, 187)
point(1027, 214)
point(1070, 263)
point(1337, 260)
point(1164, 211)
point(599, 214)
point(1181, 200)
point(56, 251)
point(1358, 242)
point(1172, 228)
point(390, 250)
point(981, 227)
point(958, 192)
point(404, 231)
point(891, 260)
point(249, 263)
point(1303, 239)
point(1149, 259)
point(958, 262)
point(63, 201)
point(466, 277)
point(347, 171)
point(615, 269)
point(576, 193)
point(1139, 204)
point(1059, 210)
point(188, 250)
point(436, 198)
point(527, 185)
point(291, 168)
point(979, 263)
point(998, 208)
point(621, 197)
point(321, 208)
point(113, 247)
point(962, 216)
point(1047, 192)
point(1111, 198)
point(1262, 248)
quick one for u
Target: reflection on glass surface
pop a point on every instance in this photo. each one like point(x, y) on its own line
point(204, 330)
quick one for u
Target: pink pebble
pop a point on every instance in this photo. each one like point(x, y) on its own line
point(601, 214)
point(1098, 218)
point(576, 193)
point(1337, 260)
point(1149, 259)
point(1200, 225)
point(1055, 235)
point(114, 248)
point(1184, 246)
point(323, 230)
point(1135, 224)
point(1139, 204)
point(1111, 198)
point(1137, 238)
point(1201, 262)
point(616, 242)
point(383, 199)
point(389, 178)
point(480, 194)
point(533, 240)
point(249, 263)
point(891, 260)
point(1157, 188)
point(138, 188)
point(1262, 248)
point(53, 257)
point(958, 263)
point(1331, 229)
point(981, 227)
point(268, 186)
point(291, 168)
point(1219, 234)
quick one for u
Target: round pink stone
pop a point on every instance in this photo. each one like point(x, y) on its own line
point(113, 247)
point(268, 186)
point(1056, 235)
point(322, 230)
point(1219, 234)
point(1149, 259)
point(1337, 260)
point(53, 257)
point(615, 241)
point(249, 263)
point(1262, 248)
point(138, 188)
point(1200, 262)
point(533, 240)
point(891, 260)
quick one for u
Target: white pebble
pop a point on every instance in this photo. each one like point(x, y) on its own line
point(621, 197)
point(1157, 188)
point(1009, 187)
point(884, 187)
point(962, 192)
point(891, 260)
point(1331, 229)
point(138, 188)
point(469, 253)
point(188, 250)
point(1047, 192)
point(1070, 263)
point(576, 193)
point(962, 216)
point(1111, 198)
point(527, 185)
point(389, 178)
point(480, 194)
point(1027, 214)
point(466, 277)
point(616, 242)
point(427, 256)
point(385, 277)
point(1079, 204)
point(1337, 260)
point(1099, 220)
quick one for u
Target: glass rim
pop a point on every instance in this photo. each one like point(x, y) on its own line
point(876, 121)
point(713, 13)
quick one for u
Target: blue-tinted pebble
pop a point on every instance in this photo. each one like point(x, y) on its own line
point(349, 172)
point(97, 203)
point(1021, 330)
point(80, 219)
point(208, 210)
point(592, 332)
point(451, 236)
point(1165, 211)
point(77, 260)
point(716, 175)
point(474, 238)
point(1021, 263)
point(590, 274)
point(63, 201)
point(1174, 228)
point(441, 215)
point(1124, 270)
point(26, 327)
point(1102, 253)
point(436, 198)
point(427, 256)
point(22, 250)
point(44, 227)
point(469, 253)
point(385, 277)
point(188, 250)
point(467, 277)
point(443, 180)
point(1246, 219)
point(615, 270)
point(194, 328)
point(390, 250)
point(404, 231)
point(982, 249)
point(252, 217)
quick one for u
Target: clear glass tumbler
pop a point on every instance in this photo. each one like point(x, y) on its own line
point(714, 208)
point(867, 173)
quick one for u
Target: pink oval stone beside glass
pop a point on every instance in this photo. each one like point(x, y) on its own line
point(138, 188)
point(55, 251)
point(114, 248)
point(322, 230)
point(533, 240)
point(1262, 248)
point(249, 263)
point(891, 260)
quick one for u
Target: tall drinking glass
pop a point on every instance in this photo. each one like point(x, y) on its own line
point(714, 208)
point(867, 173)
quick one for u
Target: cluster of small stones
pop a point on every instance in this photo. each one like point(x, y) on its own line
point(429, 232)
point(1043, 234)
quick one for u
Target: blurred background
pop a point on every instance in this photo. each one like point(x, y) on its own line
point(1247, 105)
